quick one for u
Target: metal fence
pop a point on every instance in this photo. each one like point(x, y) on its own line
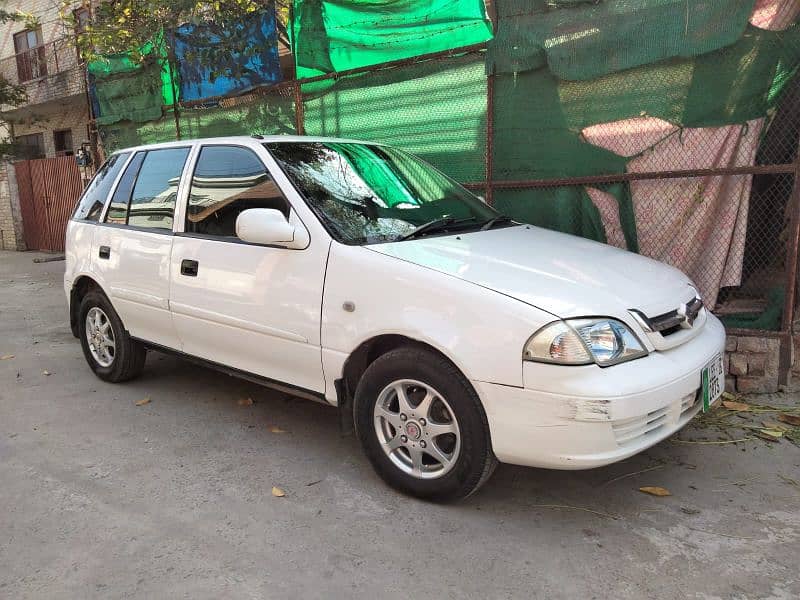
point(47, 72)
point(730, 217)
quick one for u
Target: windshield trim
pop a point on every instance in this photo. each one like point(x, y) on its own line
point(364, 242)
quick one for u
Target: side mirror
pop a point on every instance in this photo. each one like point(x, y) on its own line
point(264, 226)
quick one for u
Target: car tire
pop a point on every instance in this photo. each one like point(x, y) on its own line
point(436, 445)
point(98, 324)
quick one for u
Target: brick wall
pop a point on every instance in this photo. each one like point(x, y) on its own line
point(56, 101)
point(10, 216)
point(751, 364)
point(47, 11)
point(71, 114)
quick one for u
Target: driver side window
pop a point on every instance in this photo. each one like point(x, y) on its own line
point(226, 181)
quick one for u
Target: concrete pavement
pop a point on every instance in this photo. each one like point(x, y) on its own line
point(101, 498)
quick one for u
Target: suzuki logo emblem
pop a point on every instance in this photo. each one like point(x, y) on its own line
point(689, 312)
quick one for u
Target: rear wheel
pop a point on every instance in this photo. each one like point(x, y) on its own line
point(107, 346)
point(422, 425)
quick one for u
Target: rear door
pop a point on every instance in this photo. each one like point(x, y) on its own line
point(132, 247)
point(255, 308)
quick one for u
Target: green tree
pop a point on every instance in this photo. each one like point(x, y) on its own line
point(11, 94)
point(125, 26)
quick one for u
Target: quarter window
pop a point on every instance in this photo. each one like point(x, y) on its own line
point(118, 209)
point(152, 203)
point(226, 181)
point(94, 198)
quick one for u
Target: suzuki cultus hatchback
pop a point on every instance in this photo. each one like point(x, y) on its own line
point(358, 275)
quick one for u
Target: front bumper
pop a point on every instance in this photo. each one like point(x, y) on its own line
point(569, 417)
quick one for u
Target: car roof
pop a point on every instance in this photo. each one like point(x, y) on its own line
point(240, 139)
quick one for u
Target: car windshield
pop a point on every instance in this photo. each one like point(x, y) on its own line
point(366, 193)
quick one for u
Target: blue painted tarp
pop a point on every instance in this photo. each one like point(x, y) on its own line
point(243, 56)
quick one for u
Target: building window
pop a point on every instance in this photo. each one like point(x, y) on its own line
point(62, 141)
point(30, 146)
point(31, 58)
point(82, 17)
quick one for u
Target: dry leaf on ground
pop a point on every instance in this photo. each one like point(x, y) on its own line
point(790, 419)
point(737, 406)
point(276, 429)
point(767, 437)
point(773, 434)
point(245, 401)
point(6, 356)
point(775, 425)
point(143, 401)
point(655, 490)
point(278, 492)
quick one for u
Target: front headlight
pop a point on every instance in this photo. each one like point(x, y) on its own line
point(582, 341)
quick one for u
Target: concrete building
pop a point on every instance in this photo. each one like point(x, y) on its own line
point(54, 121)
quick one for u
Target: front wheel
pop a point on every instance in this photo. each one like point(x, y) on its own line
point(422, 425)
point(109, 350)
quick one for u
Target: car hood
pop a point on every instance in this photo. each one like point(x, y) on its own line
point(562, 274)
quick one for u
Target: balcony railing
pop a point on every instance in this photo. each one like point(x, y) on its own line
point(47, 72)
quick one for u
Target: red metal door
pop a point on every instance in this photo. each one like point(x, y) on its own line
point(48, 190)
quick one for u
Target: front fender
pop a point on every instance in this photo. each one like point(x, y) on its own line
point(369, 294)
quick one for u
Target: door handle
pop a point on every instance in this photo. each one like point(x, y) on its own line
point(189, 268)
point(105, 252)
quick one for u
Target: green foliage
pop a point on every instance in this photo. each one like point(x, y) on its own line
point(11, 94)
point(125, 26)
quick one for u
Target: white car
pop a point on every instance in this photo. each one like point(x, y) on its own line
point(358, 275)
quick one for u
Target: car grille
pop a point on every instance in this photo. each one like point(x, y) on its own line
point(633, 431)
point(630, 431)
point(671, 329)
point(670, 322)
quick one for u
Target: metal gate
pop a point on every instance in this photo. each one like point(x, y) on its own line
point(48, 190)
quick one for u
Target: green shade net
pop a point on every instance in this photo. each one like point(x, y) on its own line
point(129, 90)
point(552, 83)
point(336, 35)
point(436, 110)
point(272, 115)
point(586, 39)
point(769, 319)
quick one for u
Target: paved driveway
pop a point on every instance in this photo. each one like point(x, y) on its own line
point(101, 498)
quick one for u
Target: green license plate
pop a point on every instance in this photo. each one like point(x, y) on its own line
point(713, 381)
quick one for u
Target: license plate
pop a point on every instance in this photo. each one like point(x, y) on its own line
point(713, 381)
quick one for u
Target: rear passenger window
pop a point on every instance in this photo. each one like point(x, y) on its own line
point(226, 181)
point(94, 198)
point(118, 209)
point(152, 203)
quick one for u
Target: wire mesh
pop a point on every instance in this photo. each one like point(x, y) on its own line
point(687, 157)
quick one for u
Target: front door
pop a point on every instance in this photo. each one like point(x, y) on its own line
point(132, 248)
point(251, 307)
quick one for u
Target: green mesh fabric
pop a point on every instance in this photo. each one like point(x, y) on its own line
point(547, 92)
point(568, 209)
point(335, 35)
point(270, 116)
point(582, 40)
point(436, 110)
point(129, 90)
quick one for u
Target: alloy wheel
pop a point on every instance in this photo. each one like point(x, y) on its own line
point(100, 337)
point(417, 429)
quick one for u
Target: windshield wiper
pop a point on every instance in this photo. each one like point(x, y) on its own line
point(434, 226)
point(496, 221)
